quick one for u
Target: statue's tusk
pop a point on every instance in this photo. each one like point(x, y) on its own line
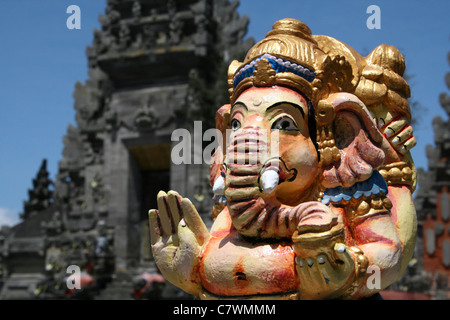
point(269, 180)
point(273, 173)
point(219, 186)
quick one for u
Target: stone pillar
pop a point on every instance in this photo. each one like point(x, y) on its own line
point(118, 181)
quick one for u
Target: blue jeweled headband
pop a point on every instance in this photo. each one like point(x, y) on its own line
point(375, 185)
point(278, 64)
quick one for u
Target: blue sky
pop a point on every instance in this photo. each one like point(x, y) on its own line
point(41, 60)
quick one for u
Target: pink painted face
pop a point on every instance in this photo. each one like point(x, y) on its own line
point(270, 124)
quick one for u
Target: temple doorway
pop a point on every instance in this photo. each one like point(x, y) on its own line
point(152, 183)
point(153, 162)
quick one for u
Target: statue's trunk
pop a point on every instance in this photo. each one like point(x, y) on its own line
point(254, 213)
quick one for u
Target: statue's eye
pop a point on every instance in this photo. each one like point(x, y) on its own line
point(235, 124)
point(284, 123)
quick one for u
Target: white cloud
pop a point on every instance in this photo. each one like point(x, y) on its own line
point(8, 217)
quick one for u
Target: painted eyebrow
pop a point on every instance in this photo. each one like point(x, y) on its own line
point(290, 103)
point(238, 104)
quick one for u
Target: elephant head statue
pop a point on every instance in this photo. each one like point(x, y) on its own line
point(301, 210)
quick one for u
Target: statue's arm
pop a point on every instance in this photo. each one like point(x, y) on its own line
point(375, 234)
point(342, 261)
point(178, 236)
point(400, 174)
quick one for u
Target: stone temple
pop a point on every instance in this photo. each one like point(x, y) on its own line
point(154, 66)
point(433, 206)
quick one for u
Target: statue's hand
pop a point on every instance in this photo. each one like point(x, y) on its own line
point(399, 135)
point(329, 274)
point(326, 267)
point(178, 235)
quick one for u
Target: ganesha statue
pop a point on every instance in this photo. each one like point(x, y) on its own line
point(313, 178)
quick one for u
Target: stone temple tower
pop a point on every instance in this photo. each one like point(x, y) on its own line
point(155, 66)
point(433, 206)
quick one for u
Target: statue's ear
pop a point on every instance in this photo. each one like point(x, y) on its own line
point(356, 139)
point(223, 120)
point(222, 123)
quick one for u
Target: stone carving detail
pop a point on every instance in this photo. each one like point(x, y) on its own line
point(234, 27)
point(445, 210)
point(98, 189)
point(146, 116)
point(136, 9)
point(41, 196)
point(150, 36)
point(176, 24)
point(432, 203)
point(446, 253)
point(306, 184)
point(54, 226)
point(111, 17)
